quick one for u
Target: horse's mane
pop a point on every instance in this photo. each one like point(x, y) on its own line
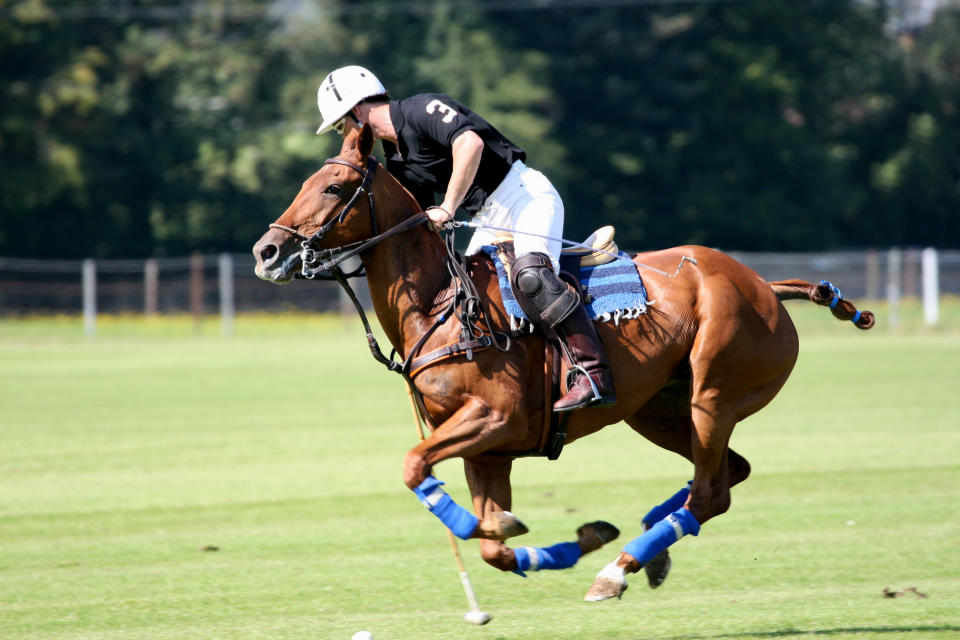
point(395, 183)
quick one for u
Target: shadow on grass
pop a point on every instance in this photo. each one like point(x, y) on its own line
point(789, 633)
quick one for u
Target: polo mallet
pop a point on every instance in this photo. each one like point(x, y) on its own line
point(475, 615)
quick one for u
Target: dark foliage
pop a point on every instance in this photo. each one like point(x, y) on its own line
point(162, 128)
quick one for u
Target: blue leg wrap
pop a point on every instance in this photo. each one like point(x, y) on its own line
point(663, 534)
point(673, 503)
point(560, 556)
point(459, 520)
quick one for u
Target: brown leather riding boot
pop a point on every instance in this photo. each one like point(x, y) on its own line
point(580, 336)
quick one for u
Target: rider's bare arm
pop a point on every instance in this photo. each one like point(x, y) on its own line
point(467, 149)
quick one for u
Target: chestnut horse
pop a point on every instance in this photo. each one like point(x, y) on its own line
point(714, 347)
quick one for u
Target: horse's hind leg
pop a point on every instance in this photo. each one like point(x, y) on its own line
point(669, 521)
point(710, 480)
point(490, 486)
point(741, 357)
point(669, 427)
point(658, 567)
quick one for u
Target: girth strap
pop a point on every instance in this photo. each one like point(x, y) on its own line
point(554, 424)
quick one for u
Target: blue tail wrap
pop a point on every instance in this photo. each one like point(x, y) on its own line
point(459, 520)
point(673, 503)
point(837, 297)
point(663, 534)
point(560, 556)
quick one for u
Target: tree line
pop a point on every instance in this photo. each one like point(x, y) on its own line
point(143, 127)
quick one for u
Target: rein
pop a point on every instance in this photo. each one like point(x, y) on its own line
point(466, 305)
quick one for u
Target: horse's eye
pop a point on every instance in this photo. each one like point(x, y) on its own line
point(333, 189)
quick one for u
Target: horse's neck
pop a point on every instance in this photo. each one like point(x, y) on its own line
point(408, 280)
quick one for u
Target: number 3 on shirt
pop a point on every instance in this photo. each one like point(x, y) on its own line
point(449, 113)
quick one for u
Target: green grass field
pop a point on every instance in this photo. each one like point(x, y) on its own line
point(128, 458)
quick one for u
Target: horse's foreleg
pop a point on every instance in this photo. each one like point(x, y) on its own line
point(471, 430)
point(562, 555)
point(490, 486)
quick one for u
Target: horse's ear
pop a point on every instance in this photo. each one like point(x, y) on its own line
point(365, 141)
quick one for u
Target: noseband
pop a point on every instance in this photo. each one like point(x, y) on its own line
point(315, 262)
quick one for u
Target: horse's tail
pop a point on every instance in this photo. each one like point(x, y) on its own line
point(824, 294)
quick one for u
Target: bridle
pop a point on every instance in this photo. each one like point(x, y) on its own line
point(315, 263)
point(465, 305)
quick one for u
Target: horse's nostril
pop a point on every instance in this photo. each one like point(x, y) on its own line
point(268, 252)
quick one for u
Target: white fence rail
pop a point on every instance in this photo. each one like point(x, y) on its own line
point(225, 283)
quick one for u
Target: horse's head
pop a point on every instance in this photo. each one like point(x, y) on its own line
point(327, 204)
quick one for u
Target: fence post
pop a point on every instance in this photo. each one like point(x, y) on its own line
point(873, 275)
point(196, 289)
point(931, 286)
point(894, 268)
point(89, 297)
point(151, 279)
point(225, 265)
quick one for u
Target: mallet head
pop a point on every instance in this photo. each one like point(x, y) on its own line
point(476, 617)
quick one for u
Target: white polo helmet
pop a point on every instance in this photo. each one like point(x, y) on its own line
point(342, 90)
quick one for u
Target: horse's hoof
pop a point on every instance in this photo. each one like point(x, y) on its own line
point(611, 582)
point(500, 525)
point(657, 569)
point(594, 535)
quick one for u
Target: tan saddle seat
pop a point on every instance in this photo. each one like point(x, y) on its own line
point(602, 248)
point(598, 248)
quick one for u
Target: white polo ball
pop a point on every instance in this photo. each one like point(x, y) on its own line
point(362, 635)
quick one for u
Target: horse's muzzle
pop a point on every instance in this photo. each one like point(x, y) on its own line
point(278, 260)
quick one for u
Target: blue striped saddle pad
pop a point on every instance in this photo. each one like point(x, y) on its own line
point(614, 290)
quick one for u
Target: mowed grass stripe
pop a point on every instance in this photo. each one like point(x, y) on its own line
point(126, 456)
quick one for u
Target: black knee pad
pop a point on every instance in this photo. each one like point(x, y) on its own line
point(540, 293)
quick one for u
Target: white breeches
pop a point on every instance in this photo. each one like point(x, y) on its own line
point(524, 203)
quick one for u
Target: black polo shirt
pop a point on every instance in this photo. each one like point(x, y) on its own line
point(422, 159)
